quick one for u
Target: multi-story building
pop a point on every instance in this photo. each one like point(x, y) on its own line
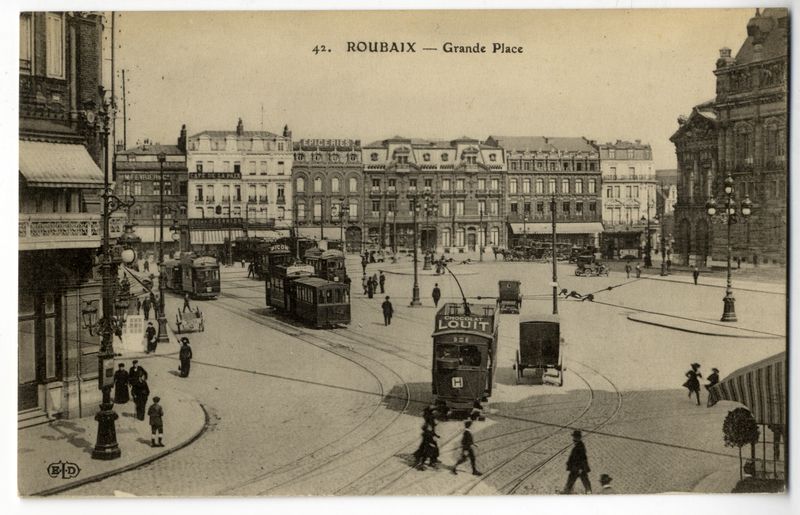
point(742, 133)
point(238, 180)
point(327, 185)
point(458, 187)
point(61, 153)
point(630, 194)
point(540, 169)
point(139, 173)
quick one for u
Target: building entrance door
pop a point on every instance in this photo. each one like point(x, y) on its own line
point(471, 242)
point(28, 392)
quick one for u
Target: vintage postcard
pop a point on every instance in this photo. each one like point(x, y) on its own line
point(370, 253)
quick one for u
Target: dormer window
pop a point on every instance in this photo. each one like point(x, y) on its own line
point(426, 157)
point(403, 160)
point(445, 157)
point(492, 157)
point(374, 156)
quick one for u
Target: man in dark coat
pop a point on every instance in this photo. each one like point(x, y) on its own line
point(121, 395)
point(186, 304)
point(140, 392)
point(467, 452)
point(578, 465)
point(136, 373)
point(146, 307)
point(388, 311)
point(151, 337)
point(436, 294)
point(364, 264)
point(695, 274)
point(370, 288)
point(156, 414)
point(185, 355)
point(382, 281)
point(428, 448)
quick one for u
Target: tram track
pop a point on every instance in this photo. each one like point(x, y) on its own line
point(304, 466)
point(518, 478)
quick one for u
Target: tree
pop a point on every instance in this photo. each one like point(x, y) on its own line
point(740, 429)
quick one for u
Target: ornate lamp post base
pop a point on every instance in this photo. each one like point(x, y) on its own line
point(163, 337)
point(427, 264)
point(728, 311)
point(106, 447)
point(415, 302)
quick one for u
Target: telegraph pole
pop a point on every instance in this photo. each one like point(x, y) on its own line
point(555, 268)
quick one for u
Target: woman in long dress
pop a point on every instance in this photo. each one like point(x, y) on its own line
point(693, 381)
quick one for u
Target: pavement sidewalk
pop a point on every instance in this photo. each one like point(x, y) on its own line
point(72, 441)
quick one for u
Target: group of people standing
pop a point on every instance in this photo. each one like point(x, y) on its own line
point(372, 283)
point(133, 384)
point(692, 383)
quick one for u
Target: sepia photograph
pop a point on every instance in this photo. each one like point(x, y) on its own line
point(358, 253)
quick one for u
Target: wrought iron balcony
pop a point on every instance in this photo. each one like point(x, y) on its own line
point(40, 231)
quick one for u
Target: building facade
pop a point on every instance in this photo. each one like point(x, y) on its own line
point(457, 186)
point(139, 172)
point(61, 147)
point(742, 133)
point(327, 178)
point(238, 181)
point(630, 195)
point(540, 169)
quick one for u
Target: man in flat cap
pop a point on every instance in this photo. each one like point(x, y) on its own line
point(578, 465)
point(156, 414)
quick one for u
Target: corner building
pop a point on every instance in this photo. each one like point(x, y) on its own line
point(540, 168)
point(458, 186)
point(239, 181)
point(742, 132)
point(61, 167)
point(327, 177)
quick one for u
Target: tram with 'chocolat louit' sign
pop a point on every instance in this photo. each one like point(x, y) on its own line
point(464, 356)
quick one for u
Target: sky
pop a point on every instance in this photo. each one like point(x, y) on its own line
point(605, 75)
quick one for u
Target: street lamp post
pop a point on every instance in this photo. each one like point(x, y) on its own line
point(525, 229)
point(321, 219)
point(648, 261)
point(344, 211)
point(483, 234)
point(162, 319)
point(415, 290)
point(430, 209)
point(729, 218)
point(555, 268)
point(106, 446)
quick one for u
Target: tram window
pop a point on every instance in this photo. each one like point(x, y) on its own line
point(447, 351)
point(346, 295)
point(470, 356)
point(321, 298)
point(328, 296)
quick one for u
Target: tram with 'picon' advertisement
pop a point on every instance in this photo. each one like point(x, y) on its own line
point(328, 264)
point(197, 276)
point(279, 291)
point(464, 356)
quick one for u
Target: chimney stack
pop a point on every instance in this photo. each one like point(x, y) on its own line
point(240, 128)
point(182, 139)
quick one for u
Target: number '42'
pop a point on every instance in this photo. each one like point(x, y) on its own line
point(320, 49)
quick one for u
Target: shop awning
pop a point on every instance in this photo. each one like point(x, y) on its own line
point(213, 236)
point(761, 387)
point(330, 233)
point(58, 165)
point(561, 228)
point(266, 233)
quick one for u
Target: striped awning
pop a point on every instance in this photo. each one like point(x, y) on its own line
point(761, 387)
point(58, 165)
point(214, 236)
point(561, 228)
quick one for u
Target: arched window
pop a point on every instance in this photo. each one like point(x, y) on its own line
point(353, 185)
point(301, 184)
point(301, 210)
point(335, 185)
point(317, 185)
